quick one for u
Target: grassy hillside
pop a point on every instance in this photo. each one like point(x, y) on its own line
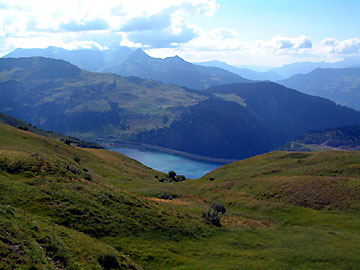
point(55, 95)
point(71, 208)
point(14, 122)
point(80, 192)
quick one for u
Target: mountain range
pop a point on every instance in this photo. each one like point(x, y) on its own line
point(241, 120)
point(232, 121)
point(288, 70)
point(135, 62)
point(88, 59)
point(341, 85)
point(174, 70)
point(56, 95)
point(243, 72)
point(282, 72)
point(128, 62)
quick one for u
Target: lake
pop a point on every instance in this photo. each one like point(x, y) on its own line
point(164, 162)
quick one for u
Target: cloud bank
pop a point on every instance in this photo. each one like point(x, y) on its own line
point(163, 28)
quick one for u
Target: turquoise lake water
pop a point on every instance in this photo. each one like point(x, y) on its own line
point(167, 162)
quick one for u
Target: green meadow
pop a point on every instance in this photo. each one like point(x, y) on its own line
point(65, 207)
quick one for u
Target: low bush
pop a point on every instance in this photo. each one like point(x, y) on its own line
point(213, 215)
point(109, 262)
point(180, 178)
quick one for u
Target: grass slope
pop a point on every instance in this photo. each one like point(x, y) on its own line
point(40, 178)
point(30, 242)
point(288, 210)
point(14, 122)
point(285, 210)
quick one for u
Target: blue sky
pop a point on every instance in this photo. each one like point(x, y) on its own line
point(263, 19)
point(239, 32)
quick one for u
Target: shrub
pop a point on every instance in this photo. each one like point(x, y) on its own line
point(23, 128)
point(218, 208)
point(109, 262)
point(213, 215)
point(67, 141)
point(166, 196)
point(172, 175)
point(180, 178)
point(73, 169)
point(77, 159)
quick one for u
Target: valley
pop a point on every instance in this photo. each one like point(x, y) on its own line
point(179, 135)
point(232, 121)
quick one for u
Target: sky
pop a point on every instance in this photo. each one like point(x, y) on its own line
point(239, 32)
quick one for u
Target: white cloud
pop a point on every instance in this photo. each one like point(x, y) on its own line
point(86, 44)
point(350, 46)
point(19, 19)
point(226, 45)
point(217, 39)
point(126, 42)
point(141, 8)
point(162, 27)
point(90, 25)
point(171, 36)
point(328, 42)
point(156, 22)
point(167, 28)
point(345, 47)
point(228, 41)
point(281, 44)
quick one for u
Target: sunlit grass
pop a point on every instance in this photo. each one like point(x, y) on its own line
point(119, 210)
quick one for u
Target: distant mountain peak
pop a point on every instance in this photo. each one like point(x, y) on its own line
point(127, 61)
point(176, 58)
point(139, 54)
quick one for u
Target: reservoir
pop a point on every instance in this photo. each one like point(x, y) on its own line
point(164, 162)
